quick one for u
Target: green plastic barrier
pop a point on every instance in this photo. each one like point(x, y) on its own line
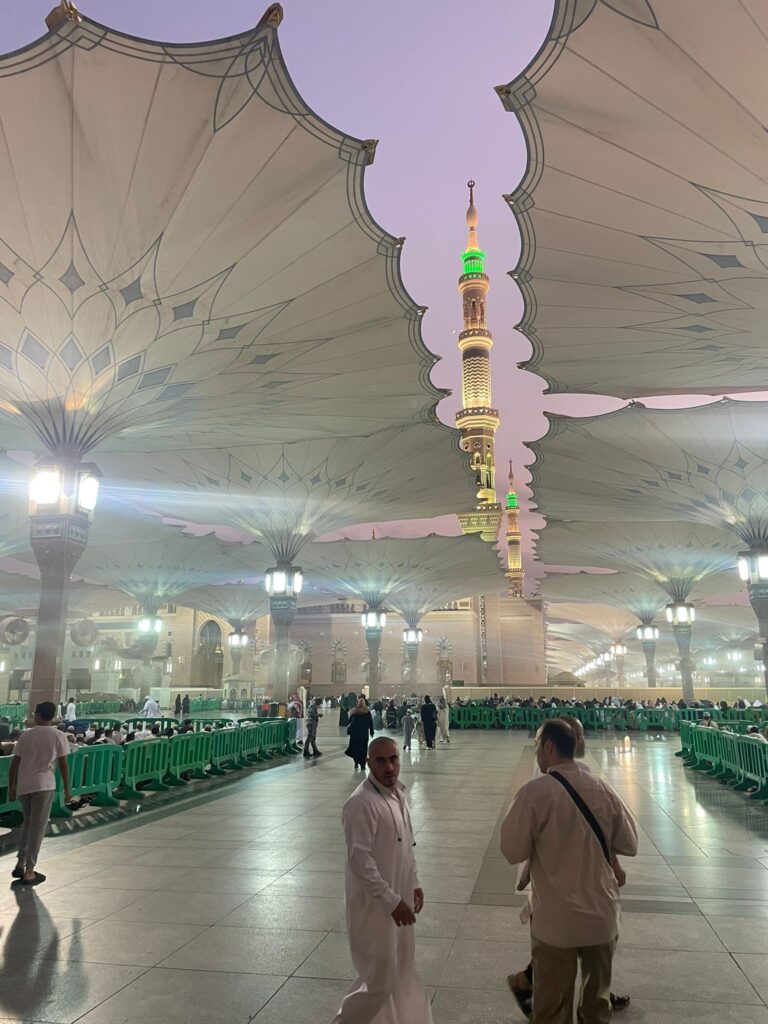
point(293, 726)
point(198, 704)
point(141, 723)
point(14, 711)
point(215, 723)
point(97, 707)
point(728, 756)
point(705, 749)
point(752, 767)
point(190, 754)
point(686, 740)
point(283, 732)
point(146, 761)
point(459, 717)
point(225, 750)
point(252, 743)
point(696, 714)
point(505, 716)
point(96, 770)
point(10, 810)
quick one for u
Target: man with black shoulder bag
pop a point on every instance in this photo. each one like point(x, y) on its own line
point(570, 825)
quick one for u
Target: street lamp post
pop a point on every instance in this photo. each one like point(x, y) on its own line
point(62, 497)
point(753, 570)
point(238, 641)
point(283, 584)
point(648, 635)
point(618, 650)
point(412, 637)
point(681, 615)
point(374, 620)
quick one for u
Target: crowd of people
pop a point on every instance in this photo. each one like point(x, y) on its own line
point(609, 701)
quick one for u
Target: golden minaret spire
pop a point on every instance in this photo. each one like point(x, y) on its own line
point(477, 419)
point(515, 572)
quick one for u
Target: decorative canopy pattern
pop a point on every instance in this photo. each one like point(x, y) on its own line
point(238, 603)
point(730, 623)
point(614, 623)
point(640, 596)
point(187, 259)
point(288, 494)
point(394, 570)
point(413, 576)
point(159, 570)
point(685, 560)
point(20, 595)
point(644, 207)
point(706, 465)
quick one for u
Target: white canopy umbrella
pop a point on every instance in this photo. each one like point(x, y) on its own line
point(643, 208)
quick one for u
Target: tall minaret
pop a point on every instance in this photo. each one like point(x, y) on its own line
point(477, 419)
point(515, 571)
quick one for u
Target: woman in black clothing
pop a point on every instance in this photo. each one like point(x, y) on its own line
point(429, 721)
point(391, 715)
point(359, 730)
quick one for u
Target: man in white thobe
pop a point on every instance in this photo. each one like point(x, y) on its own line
point(383, 897)
point(574, 892)
point(151, 708)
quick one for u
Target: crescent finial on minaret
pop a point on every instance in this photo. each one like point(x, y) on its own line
point(472, 217)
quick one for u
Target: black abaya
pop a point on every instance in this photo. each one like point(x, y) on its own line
point(360, 728)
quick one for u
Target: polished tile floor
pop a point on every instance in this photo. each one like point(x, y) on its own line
point(230, 906)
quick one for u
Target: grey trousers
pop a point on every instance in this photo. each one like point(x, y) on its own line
point(37, 811)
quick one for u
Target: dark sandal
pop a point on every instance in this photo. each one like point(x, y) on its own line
point(523, 996)
point(34, 881)
point(619, 1002)
point(17, 873)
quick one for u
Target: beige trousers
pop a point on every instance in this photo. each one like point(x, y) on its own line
point(554, 983)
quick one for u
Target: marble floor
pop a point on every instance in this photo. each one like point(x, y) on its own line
point(229, 907)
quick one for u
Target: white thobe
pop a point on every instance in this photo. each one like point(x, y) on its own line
point(380, 872)
point(151, 708)
point(442, 722)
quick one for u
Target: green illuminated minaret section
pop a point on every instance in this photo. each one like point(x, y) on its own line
point(514, 571)
point(478, 420)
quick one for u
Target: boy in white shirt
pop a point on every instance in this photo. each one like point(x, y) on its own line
point(32, 778)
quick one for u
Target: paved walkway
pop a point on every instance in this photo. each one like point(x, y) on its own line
point(231, 907)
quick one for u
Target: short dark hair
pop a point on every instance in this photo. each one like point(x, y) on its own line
point(561, 735)
point(46, 710)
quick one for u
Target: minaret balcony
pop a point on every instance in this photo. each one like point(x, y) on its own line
point(478, 417)
point(482, 334)
point(473, 278)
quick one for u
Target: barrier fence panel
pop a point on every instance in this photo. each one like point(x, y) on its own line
point(146, 762)
point(251, 741)
point(729, 770)
point(142, 724)
point(225, 750)
point(753, 767)
point(10, 810)
point(198, 704)
point(93, 771)
point(293, 725)
point(686, 739)
point(283, 734)
point(190, 755)
point(215, 723)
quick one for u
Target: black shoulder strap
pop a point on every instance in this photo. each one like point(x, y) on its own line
point(588, 815)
